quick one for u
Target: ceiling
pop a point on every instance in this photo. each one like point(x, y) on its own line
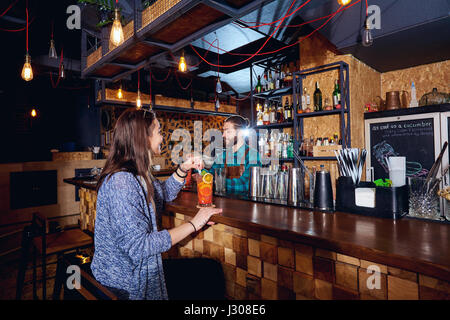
point(412, 32)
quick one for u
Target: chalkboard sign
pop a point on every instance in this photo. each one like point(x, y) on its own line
point(413, 139)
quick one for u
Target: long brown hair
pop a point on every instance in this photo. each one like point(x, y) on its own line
point(130, 147)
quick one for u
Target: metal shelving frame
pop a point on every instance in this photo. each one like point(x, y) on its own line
point(344, 85)
point(296, 90)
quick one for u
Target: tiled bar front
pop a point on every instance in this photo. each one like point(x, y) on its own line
point(257, 266)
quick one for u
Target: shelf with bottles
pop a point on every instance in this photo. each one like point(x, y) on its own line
point(274, 93)
point(320, 113)
point(275, 126)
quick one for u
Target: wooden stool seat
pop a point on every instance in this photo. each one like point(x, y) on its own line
point(63, 241)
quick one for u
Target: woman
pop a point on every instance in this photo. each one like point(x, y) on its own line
point(128, 244)
point(241, 156)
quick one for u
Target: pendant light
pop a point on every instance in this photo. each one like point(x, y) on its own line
point(33, 113)
point(120, 93)
point(182, 66)
point(52, 51)
point(367, 39)
point(217, 102)
point(344, 2)
point(218, 86)
point(27, 71)
point(62, 72)
point(138, 99)
point(116, 37)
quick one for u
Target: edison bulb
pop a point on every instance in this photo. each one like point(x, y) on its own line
point(182, 64)
point(120, 93)
point(27, 71)
point(217, 103)
point(62, 72)
point(344, 2)
point(52, 52)
point(138, 100)
point(33, 113)
point(367, 39)
point(116, 36)
point(218, 86)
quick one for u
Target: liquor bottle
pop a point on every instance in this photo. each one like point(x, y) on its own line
point(277, 79)
point(336, 96)
point(258, 87)
point(284, 146)
point(317, 98)
point(272, 114)
point(290, 150)
point(280, 113)
point(266, 82)
point(266, 116)
point(282, 77)
point(300, 105)
point(303, 106)
point(287, 111)
point(259, 115)
point(271, 84)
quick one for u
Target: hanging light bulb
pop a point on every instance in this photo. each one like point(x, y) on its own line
point(33, 113)
point(367, 39)
point(138, 100)
point(218, 86)
point(182, 66)
point(62, 72)
point(52, 52)
point(27, 71)
point(217, 103)
point(344, 2)
point(120, 93)
point(116, 36)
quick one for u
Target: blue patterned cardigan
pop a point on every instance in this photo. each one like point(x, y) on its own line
point(128, 245)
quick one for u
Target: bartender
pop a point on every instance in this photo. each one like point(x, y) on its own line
point(241, 157)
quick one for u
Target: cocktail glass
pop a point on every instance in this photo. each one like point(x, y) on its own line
point(204, 190)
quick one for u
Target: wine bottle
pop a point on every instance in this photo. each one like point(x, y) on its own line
point(287, 111)
point(258, 87)
point(336, 96)
point(317, 98)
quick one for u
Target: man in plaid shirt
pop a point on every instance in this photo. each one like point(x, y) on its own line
point(239, 158)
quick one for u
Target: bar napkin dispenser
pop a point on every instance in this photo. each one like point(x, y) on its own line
point(383, 202)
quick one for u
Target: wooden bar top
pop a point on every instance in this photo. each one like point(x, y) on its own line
point(91, 184)
point(411, 244)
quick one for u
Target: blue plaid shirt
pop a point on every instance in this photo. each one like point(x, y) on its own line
point(238, 185)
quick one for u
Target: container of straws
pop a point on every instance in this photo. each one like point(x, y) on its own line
point(366, 198)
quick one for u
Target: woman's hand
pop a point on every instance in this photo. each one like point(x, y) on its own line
point(193, 161)
point(203, 216)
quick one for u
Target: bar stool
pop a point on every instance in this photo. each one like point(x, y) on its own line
point(46, 244)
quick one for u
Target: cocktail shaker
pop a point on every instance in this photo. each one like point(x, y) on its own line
point(323, 192)
point(295, 186)
point(254, 181)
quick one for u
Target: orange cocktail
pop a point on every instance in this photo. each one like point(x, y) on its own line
point(205, 189)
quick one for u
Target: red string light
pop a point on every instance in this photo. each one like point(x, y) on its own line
point(265, 53)
point(163, 80)
point(26, 9)
point(179, 83)
point(9, 8)
point(242, 99)
point(273, 22)
point(59, 71)
point(18, 30)
point(253, 55)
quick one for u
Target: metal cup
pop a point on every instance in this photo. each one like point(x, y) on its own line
point(323, 192)
point(295, 186)
point(254, 181)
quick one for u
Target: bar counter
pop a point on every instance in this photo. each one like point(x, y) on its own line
point(276, 252)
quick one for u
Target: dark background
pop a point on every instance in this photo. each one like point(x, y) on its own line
point(63, 113)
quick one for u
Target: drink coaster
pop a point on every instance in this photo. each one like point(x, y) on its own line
point(211, 206)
